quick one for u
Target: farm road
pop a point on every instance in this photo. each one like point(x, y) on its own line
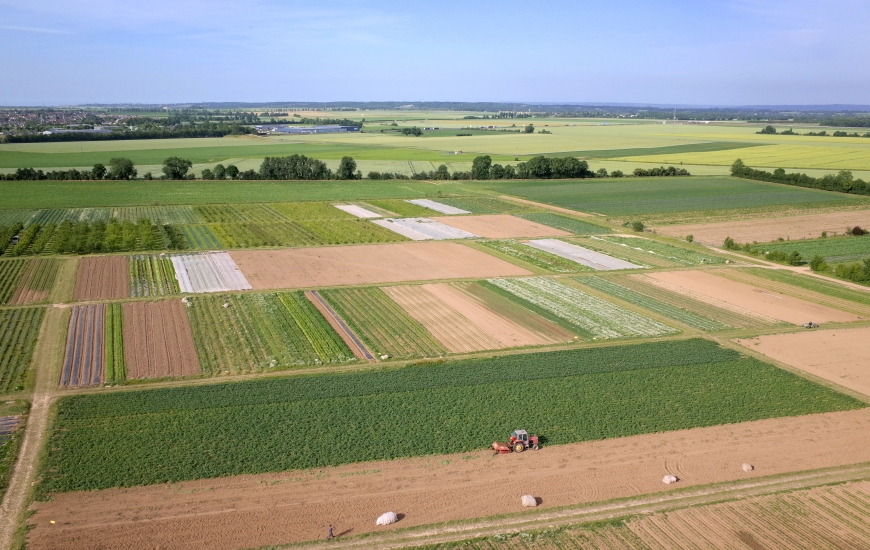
point(46, 355)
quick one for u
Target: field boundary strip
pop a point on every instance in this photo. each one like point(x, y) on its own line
point(355, 344)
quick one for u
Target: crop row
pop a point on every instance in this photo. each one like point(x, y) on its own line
point(565, 223)
point(488, 205)
point(18, 332)
point(200, 237)
point(114, 344)
point(840, 249)
point(84, 361)
point(382, 324)
point(36, 281)
point(10, 275)
point(85, 237)
point(238, 213)
point(589, 315)
point(624, 252)
point(677, 254)
point(163, 435)
point(152, 275)
point(243, 333)
point(534, 256)
point(662, 308)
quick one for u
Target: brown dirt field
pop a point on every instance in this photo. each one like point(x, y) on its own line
point(764, 230)
point(757, 300)
point(102, 278)
point(448, 326)
point(500, 226)
point(507, 333)
point(158, 340)
point(367, 264)
point(814, 518)
point(839, 356)
point(259, 510)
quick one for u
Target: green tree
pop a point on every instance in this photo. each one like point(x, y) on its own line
point(729, 244)
point(121, 169)
point(601, 173)
point(176, 168)
point(480, 167)
point(737, 167)
point(637, 226)
point(530, 129)
point(220, 172)
point(346, 169)
point(768, 130)
point(818, 263)
point(690, 238)
point(207, 174)
point(232, 172)
point(98, 172)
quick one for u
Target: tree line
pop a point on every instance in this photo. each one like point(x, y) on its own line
point(199, 131)
point(843, 182)
point(770, 130)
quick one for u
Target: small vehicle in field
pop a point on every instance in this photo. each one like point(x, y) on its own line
point(811, 325)
point(520, 441)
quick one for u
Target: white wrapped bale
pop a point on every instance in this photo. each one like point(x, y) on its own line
point(388, 518)
point(748, 467)
point(669, 479)
point(530, 501)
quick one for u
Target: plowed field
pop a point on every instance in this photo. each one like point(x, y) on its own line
point(841, 356)
point(501, 226)
point(258, 510)
point(84, 362)
point(102, 278)
point(769, 229)
point(371, 264)
point(757, 300)
point(158, 341)
point(36, 282)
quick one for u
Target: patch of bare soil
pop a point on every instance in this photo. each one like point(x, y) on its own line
point(258, 510)
point(500, 226)
point(841, 356)
point(158, 340)
point(102, 278)
point(768, 229)
point(368, 264)
point(757, 300)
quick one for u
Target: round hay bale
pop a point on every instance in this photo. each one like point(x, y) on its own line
point(669, 479)
point(748, 467)
point(387, 518)
point(530, 501)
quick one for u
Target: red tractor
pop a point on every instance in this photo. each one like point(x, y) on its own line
point(519, 442)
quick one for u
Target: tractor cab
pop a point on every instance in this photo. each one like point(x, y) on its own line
point(519, 435)
point(521, 440)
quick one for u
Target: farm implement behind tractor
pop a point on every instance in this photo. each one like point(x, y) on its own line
point(520, 441)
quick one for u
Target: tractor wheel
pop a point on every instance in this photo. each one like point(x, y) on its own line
point(519, 447)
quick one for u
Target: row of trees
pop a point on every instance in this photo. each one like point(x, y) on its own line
point(198, 131)
point(843, 182)
point(839, 133)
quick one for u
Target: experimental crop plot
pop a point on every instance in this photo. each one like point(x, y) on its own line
point(535, 256)
point(158, 341)
point(500, 226)
point(19, 329)
point(347, 232)
point(84, 362)
point(152, 275)
point(250, 333)
point(423, 229)
point(200, 237)
point(239, 213)
point(591, 316)
point(488, 205)
point(438, 207)
point(358, 211)
point(581, 255)
point(654, 251)
point(102, 278)
point(116, 369)
point(208, 272)
point(36, 282)
point(565, 223)
point(11, 272)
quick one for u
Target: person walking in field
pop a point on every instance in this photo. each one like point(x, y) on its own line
point(329, 534)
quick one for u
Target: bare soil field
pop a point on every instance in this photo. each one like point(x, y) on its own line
point(252, 511)
point(823, 517)
point(158, 341)
point(102, 278)
point(448, 326)
point(367, 264)
point(84, 361)
point(500, 226)
point(507, 333)
point(840, 356)
point(768, 229)
point(757, 300)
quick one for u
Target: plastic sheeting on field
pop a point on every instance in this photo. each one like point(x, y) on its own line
point(529, 500)
point(208, 272)
point(589, 258)
point(387, 518)
point(357, 211)
point(438, 207)
point(423, 229)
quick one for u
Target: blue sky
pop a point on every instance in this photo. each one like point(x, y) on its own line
point(688, 52)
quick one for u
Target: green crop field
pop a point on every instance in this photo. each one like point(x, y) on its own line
point(572, 225)
point(113, 344)
point(404, 209)
point(488, 205)
point(152, 275)
point(172, 434)
point(636, 197)
point(382, 324)
point(676, 255)
point(833, 250)
point(18, 331)
point(626, 252)
point(262, 331)
point(10, 275)
point(538, 258)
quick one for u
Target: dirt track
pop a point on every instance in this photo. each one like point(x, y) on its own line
point(368, 264)
point(500, 226)
point(764, 230)
point(158, 340)
point(102, 278)
point(250, 511)
point(841, 356)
